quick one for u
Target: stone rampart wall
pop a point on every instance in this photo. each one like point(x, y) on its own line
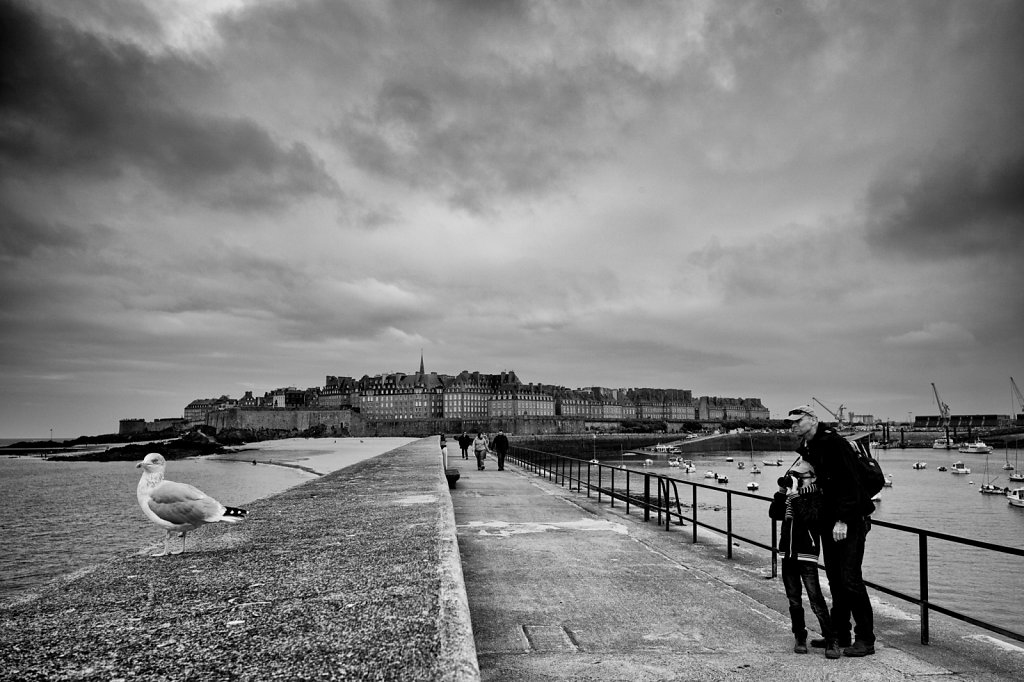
point(280, 420)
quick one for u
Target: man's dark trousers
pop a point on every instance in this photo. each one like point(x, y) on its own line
point(843, 562)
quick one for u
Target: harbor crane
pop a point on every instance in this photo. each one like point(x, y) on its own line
point(1020, 398)
point(943, 408)
point(837, 415)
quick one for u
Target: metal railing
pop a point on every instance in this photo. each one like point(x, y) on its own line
point(564, 470)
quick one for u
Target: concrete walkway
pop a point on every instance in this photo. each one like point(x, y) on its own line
point(563, 588)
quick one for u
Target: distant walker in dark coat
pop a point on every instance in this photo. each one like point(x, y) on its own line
point(465, 440)
point(500, 444)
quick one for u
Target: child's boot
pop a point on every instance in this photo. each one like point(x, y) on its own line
point(801, 645)
point(832, 649)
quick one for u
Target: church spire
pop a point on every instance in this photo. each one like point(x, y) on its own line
point(421, 362)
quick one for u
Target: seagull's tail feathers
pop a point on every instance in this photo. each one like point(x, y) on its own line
point(233, 514)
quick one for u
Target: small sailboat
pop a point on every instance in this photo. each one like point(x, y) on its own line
point(989, 487)
point(721, 479)
point(741, 465)
point(752, 485)
point(755, 470)
point(673, 462)
point(687, 466)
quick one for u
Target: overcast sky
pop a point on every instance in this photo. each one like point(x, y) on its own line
point(744, 199)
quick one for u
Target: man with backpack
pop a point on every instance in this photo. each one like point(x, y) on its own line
point(845, 523)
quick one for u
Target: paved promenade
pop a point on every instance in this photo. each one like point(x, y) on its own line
point(562, 588)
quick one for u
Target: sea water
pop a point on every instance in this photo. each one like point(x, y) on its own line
point(58, 517)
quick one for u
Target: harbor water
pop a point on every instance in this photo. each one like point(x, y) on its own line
point(979, 583)
point(60, 517)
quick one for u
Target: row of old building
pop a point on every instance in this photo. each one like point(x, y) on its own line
point(474, 395)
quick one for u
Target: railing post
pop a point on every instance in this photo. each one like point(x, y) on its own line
point(775, 543)
point(627, 492)
point(589, 467)
point(611, 490)
point(728, 523)
point(647, 497)
point(694, 514)
point(922, 549)
point(668, 505)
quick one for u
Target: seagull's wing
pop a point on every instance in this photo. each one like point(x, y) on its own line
point(180, 503)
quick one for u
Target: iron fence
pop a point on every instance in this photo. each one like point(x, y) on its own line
point(664, 502)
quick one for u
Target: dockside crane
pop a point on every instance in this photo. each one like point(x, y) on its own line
point(943, 412)
point(837, 415)
point(1020, 398)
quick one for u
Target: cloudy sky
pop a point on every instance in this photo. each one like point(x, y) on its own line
point(780, 200)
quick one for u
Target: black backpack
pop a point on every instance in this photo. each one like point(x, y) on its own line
point(872, 480)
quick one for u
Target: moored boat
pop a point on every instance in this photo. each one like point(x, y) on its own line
point(1016, 497)
point(752, 485)
point(776, 463)
point(943, 444)
point(978, 447)
point(959, 468)
point(920, 465)
point(990, 489)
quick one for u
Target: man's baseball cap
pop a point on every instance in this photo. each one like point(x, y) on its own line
point(799, 412)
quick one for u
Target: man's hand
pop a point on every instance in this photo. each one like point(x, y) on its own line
point(839, 531)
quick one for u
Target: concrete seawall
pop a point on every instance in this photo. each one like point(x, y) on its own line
point(355, 575)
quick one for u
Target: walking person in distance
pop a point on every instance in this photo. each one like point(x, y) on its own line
point(844, 528)
point(465, 440)
point(480, 447)
point(500, 444)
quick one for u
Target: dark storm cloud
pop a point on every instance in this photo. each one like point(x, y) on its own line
point(949, 207)
point(21, 236)
point(73, 103)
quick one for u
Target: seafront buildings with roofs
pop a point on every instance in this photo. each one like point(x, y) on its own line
point(470, 398)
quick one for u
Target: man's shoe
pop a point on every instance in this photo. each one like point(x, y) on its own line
point(859, 648)
point(832, 650)
point(801, 645)
point(823, 643)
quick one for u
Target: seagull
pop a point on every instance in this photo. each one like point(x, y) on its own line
point(177, 507)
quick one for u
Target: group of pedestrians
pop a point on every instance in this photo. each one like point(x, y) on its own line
point(823, 507)
point(482, 445)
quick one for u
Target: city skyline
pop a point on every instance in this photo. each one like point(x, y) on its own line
point(788, 201)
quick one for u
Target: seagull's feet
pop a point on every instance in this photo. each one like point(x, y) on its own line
point(164, 553)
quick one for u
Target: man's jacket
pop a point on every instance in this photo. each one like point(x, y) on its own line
point(835, 465)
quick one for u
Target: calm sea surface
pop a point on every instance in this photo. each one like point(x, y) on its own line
point(980, 583)
point(58, 517)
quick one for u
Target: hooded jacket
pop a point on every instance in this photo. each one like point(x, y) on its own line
point(799, 538)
